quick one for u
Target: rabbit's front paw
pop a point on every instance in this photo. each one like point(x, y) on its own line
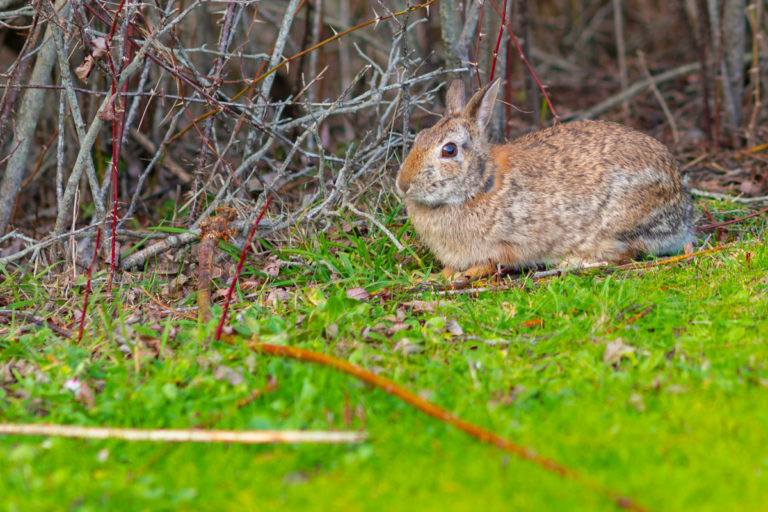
point(476, 272)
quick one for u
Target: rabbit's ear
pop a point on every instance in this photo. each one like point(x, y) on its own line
point(454, 98)
point(480, 107)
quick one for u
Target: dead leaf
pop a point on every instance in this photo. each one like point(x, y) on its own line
point(397, 327)
point(22, 368)
point(399, 316)
point(421, 306)
point(272, 268)
point(331, 331)
point(406, 347)
point(506, 397)
point(82, 391)
point(750, 188)
point(84, 69)
point(277, 295)
point(99, 45)
point(453, 327)
point(85, 395)
point(249, 285)
point(225, 373)
point(108, 112)
point(616, 350)
point(358, 293)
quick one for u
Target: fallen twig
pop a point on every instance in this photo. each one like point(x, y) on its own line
point(461, 288)
point(640, 87)
point(725, 197)
point(441, 414)
point(732, 221)
point(185, 436)
point(32, 318)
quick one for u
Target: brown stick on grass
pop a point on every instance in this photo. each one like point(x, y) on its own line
point(441, 414)
point(732, 221)
point(212, 230)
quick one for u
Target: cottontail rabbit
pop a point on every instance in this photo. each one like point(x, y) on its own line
point(581, 191)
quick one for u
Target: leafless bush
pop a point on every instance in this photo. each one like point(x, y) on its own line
point(109, 109)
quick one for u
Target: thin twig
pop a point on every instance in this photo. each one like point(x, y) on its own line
point(87, 292)
point(462, 288)
point(618, 23)
point(728, 197)
point(659, 98)
point(640, 87)
point(732, 221)
point(184, 436)
point(26, 123)
point(376, 222)
point(442, 415)
point(528, 65)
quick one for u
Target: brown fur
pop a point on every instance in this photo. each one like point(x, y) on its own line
point(582, 190)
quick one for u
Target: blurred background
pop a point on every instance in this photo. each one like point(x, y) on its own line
point(164, 111)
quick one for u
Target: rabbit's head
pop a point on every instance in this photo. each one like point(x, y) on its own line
point(450, 162)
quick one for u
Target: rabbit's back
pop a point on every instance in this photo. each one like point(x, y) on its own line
point(591, 185)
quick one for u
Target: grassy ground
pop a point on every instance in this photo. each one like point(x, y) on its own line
point(653, 383)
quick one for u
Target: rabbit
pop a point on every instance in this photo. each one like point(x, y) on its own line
point(574, 193)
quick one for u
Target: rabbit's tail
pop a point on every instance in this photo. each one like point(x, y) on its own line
point(665, 231)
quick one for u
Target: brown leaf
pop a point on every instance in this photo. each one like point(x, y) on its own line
point(225, 373)
point(82, 391)
point(249, 285)
point(84, 69)
point(99, 45)
point(272, 268)
point(108, 112)
point(358, 293)
point(507, 397)
point(397, 327)
point(750, 188)
point(453, 327)
point(421, 306)
point(85, 395)
point(277, 295)
point(406, 347)
point(616, 350)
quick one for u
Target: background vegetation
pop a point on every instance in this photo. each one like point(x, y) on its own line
point(178, 120)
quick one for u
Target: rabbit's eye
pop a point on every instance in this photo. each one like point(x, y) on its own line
point(450, 150)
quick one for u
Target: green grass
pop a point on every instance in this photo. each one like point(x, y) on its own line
point(679, 423)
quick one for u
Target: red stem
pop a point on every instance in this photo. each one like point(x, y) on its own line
point(527, 64)
point(239, 269)
point(118, 113)
point(477, 47)
point(498, 41)
point(88, 286)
